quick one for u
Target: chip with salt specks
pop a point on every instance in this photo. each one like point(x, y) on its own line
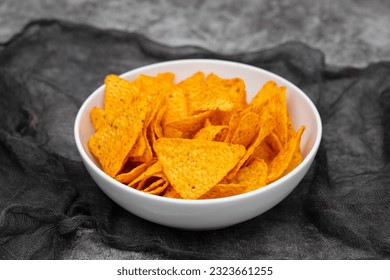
point(193, 167)
point(99, 118)
point(118, 93)
point(112, 144)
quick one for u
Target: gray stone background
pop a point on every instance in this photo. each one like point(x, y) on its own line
point(353, 33)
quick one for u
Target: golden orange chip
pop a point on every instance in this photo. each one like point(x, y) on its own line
point(139, 147)
point(118, 93)
point(247, 128)
point(267, 125)
point(281, 162)
point(166, 77)
point(212, 133)
point(111, 145)
point(215, 96)
point(237, 93)
point(221, 117)
point(193, 167)
point(149, 182)
point(159, 189)
point(274, 143)
point(207, 122)
point(233, 124)
point(267, 91)
point(272, 98)
point(213, 93)
point(290, 127)
point(152, 86)
point(152, 170)
point(98, 118)
point(176, 110)
point(153, 185)
point(264, 152)
point(253, 176)
point(127, 177)
point(193, 123)
point(171, 192)
point(224, 190)
point(193, 88)
point(295, 161)
point(146, 154)
point(234, 90)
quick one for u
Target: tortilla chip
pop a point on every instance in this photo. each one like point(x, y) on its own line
point(152, 170)
point(207, 122)
point(212, 133)
point(254, 175)
point(118, 93)
point(274, 143)
point(149, 181)
point(145, 152)
point(192, 124)
point(171, 192)
point(237, 93)
point(127, 177)
point(166, 77)
point(193, 167)
point(290, 128)
point(215, 96)
point(156, 126)
point(267, 125)
point(233, 124)
point(272, 98)
point(193, 88)
point(247, 128)
point(176, 110)
point(295, 161)
point(158, 190)
point(99, 118)
point(111, 145)
point(282, 161)
point(224, 190)
point(264, 152)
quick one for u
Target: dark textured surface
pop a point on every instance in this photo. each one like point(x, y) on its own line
point(339, 211)
point(349, 32)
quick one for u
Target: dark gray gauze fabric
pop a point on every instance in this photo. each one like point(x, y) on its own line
point(339, 211)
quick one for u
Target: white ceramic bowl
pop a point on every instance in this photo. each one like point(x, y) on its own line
point(210, 213)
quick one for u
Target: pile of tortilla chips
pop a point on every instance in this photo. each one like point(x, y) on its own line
point(196, 139)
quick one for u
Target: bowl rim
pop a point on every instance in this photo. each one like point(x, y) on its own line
point(215, 201)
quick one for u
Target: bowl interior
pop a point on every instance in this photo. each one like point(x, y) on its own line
point(301, 109)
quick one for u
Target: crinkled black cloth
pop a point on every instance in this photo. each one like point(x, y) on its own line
point(341, 210)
